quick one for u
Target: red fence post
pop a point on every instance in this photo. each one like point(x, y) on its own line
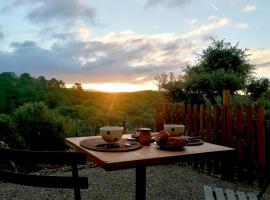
point(250, 141)
point(208, 123)
point(202, 121)
point(177, 113)
point(182, 113)
point(226, 97)
point(250, 133)
point(223, 125)
point(195, 120)
point(229, 123)
point(216, 123)
point(261, 142)
point(171, 109)
point(189, 119)
point(239, 132)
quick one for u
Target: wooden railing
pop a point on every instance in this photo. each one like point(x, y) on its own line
point(243, 128)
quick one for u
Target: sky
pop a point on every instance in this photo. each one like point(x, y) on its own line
point(121, 45)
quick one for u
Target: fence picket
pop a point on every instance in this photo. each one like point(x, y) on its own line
point(195, 120)
point(223, 124)
point(239, 132)
point(177, 113)
point(208, 123)
point(189, 119)
point(229, 131)
point(182, 114)
point(261, 142)
point(202, 121)
point(166, 113)
point(250, 135)
point(216, 123)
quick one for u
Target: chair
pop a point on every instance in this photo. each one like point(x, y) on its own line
point(216, 193)
point(44, 157)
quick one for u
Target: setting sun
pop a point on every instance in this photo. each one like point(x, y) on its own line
point(116, 87)
point(111, 87)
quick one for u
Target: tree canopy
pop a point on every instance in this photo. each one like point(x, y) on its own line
point(256, 87)
point(220, 66)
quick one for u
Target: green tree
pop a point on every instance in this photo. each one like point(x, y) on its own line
point(8, 92)
point(172, 86)
point(256, 87)
point(220, 66)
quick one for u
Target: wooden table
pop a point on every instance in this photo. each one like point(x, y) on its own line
point(145, 156)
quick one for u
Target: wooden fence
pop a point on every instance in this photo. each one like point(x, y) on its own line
point(242, 128)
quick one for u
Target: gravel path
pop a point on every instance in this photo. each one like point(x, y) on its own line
point(164, 182)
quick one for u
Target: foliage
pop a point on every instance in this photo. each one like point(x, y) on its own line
point(40, 113)
point(40, 127)
point(8, 91)
point(15, 91)
point(256, 87)
point(220, 66)
point(9, 133)
point(263, 100)
point(173, 87)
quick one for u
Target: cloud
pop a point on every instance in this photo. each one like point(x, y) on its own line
point(248, 9)
point(203, 29)
point(53, 20)
point(28, 57)
point(44, 11)
point(84, 32)
point(212, 17)
point(242, 25)
point(114, 57)
point(60, 35)
point(259, 56)
point(169, 3)
point(191, 22)
point(261, 59)
point(1, 35)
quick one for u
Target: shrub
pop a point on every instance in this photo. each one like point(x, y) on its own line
point(8, 133)
point(41, 127)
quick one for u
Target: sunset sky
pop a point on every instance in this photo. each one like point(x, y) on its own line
point(121, 45)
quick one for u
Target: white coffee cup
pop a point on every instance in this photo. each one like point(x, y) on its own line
point(111, 133)
point(174, 129)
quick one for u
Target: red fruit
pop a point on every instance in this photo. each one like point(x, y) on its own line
point(162, 137)
point(176, 141)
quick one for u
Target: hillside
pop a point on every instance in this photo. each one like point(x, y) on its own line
point(36, 111)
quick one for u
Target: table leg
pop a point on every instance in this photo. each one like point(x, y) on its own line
point(140, 183)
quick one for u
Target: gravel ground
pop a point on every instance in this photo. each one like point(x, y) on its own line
point(164, 182)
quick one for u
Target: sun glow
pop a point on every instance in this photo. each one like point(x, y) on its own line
point(113, 87)
point(117, 87)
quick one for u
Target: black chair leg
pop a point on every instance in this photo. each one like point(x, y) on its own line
point(77, 193)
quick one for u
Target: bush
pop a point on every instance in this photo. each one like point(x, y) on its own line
point(8, 133)
point(41, 127)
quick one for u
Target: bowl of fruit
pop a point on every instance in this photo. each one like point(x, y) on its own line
point(168, 142)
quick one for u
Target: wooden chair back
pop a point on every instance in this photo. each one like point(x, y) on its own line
point(72, 159)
